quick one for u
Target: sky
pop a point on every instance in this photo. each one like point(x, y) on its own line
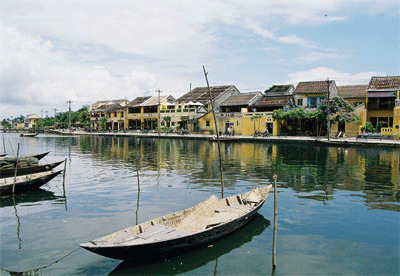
point(84, 51)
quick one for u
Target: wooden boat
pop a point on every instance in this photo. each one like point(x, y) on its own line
point(27, 182)
point(35, 155)
point(29, 170)
point(29, 134)
point(3, 154)
point(207, 221)
point(194, 257)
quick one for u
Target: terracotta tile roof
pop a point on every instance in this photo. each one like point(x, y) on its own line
point(273, 101)
point(200, 94)
point(138, 101)
point(153, 101)
point(381, 84)
point(116, 108)
point(240, 99)
point(312, 87)
point(352, 91)
point(278, 88)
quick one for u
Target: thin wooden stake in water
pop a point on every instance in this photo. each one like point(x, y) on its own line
point(16, 168)
point(4, 145)
point(216, 130)
point(275, 223)
point(65, 168)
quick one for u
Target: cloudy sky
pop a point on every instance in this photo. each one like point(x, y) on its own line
point(83, 51)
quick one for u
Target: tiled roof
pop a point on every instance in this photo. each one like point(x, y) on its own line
point(279, 88)
point(273, 101)
point(241, 99)
point(138, 101)
point(384, 84)
point(153, 101)
point(352, 91)
point(201, 94)
point(310, 87)
point(116, 108)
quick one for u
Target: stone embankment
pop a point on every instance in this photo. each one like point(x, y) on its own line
point(244, 138)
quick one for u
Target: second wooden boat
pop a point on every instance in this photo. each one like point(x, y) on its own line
point(35, 155)
point(207, 221)
point(27, 182)
point(29, 170)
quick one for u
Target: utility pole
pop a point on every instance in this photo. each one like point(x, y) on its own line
point(47, 113)
point(69, 116)
point(159, 104)
point(329, 119)
point(55, 112)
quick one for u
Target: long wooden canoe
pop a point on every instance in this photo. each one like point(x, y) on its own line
point(35, 155)
point(209, 220)
point(27, 182)
point(29, 170)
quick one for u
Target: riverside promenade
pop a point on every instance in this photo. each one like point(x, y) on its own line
point(342, 142)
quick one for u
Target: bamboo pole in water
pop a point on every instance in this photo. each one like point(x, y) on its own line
point(275, 223)
point(216, 130)
point(65, 168)
point(16, 168)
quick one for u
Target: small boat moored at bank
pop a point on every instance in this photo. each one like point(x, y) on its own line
point(10, 172)
point(209, 220)
point(26, 182)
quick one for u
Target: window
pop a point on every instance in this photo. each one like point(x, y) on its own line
point(299, 102)
point(208, 123)
point(122, 114)
point(312, 101)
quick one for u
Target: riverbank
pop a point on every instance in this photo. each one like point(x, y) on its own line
point(243, 138)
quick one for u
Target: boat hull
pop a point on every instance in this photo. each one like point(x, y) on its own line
point(174, 246)
point(26, 183)
point(29, 170)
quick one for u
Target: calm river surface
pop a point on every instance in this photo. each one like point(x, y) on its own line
point(338, 208)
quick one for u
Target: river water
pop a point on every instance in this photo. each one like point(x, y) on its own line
point(338, 208)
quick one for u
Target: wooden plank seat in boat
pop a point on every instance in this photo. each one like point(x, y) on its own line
point(151, 234)
point(228, 213)
point(199, 218)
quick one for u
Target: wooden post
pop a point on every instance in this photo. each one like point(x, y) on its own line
point(275, 223)
point(217, 132)
point(65, 167)
point(16, 168)
point(4, 145)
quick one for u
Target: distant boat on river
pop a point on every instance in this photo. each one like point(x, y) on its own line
point(29, 134)
point(207, 221)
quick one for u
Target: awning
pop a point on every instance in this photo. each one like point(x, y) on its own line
point(381, 95)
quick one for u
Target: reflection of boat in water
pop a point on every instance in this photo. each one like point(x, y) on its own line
point(29, 170)
point(27, 182)
point(190, 260)
point(206, 222)
point(34, 197)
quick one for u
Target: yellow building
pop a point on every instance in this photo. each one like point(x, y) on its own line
point(99, 111)
point(381, 102)
point(355, 95)
point(143, 112)
point(30, 120)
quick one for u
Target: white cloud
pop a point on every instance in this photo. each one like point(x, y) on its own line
point(316, 56)
point(323, 73)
